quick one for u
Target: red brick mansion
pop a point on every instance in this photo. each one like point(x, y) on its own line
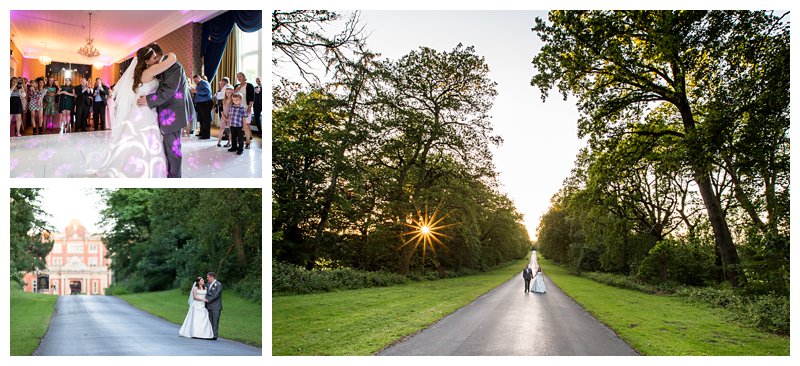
point(76, 265)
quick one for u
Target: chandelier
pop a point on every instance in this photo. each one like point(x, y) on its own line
point(44, 59)
point(88, 50)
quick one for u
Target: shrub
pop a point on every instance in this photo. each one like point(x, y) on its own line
point(249, 288)
point(631, 283)
point(764, 312)
point(117, 289)
point(288, 278)
point(687, 262)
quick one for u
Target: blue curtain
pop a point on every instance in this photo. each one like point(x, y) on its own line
point(216, 32)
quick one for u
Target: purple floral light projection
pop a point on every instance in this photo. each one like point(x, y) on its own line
point(154, 141)
point(178, 94)
point(154, 97)
point(14, 163)
point(134, 166)
point(176, 147)
point(33, 142)
point(193, 161)
point(47, 154)
point(26, 175)
point(166, 117)
point(62, 170)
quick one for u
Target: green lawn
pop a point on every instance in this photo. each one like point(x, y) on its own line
point(665, 325)
point(30, 318)
point(362, 322)
point(240, 319)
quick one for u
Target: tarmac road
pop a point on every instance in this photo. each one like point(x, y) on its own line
point(105, 325)
point(508, 322)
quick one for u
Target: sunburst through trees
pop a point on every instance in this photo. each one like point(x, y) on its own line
point(425, 231)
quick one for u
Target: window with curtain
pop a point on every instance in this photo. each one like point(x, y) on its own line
point(249, 54)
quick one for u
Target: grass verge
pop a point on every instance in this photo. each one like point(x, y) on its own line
point(665, 325)
point(30, 318)
point(362, 322)
point(240, 319)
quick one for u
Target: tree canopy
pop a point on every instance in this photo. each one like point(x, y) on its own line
point(686, 114)
point(357, 160)
point(29, 241)
point(162, 238)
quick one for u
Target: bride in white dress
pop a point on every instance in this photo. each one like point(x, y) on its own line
point(136, 148)
point(196, 324)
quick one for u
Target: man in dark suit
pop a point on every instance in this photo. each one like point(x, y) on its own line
point(173, 101)
point(527, 274)
point(214, 302)
point(83, 103)
point(99, 98)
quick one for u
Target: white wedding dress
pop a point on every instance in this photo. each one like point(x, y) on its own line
point(137, 148)
point(196, 324)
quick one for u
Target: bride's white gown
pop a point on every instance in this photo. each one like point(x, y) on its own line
point(196, 324)
point(137, 149)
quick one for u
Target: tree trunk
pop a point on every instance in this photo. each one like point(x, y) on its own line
point(716, 217)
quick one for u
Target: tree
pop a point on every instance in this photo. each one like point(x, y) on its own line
point(620, 64)
point(158, 238)
point(29, 240)
point(299, 37)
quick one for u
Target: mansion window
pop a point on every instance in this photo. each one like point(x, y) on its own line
point(75, 248)
point(92, 248)
point(57, 261)
point(57, 248)
point(92, 262)
point(94, 287)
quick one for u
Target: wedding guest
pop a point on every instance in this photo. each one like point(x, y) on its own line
point(110, 107)
point(50, 104)
point(224, 123)
point(238, 116)
point(65, 104)
point(99, 97)
point(35, 100)
point(257, 106)
point(26, 118)
point(203, 105)
point(189, 129)
point(220, 96)
point(83, 104)
point(17, 95)
point(248, 92)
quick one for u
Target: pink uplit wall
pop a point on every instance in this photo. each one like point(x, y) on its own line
point(17, 57)
point(32, 68)
point(104, 73)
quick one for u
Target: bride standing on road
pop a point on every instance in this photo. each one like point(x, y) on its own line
point(196, 324)
point(538, 282)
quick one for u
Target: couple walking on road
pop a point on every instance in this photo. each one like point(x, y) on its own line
point(538, 282)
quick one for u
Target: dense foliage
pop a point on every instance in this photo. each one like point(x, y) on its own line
point(161, 239)
point(355, 160)
point(686, 175)
point(29, 234)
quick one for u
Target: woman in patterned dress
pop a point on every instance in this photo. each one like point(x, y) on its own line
point(35, 100)
point(50, 106)
point(65, 104)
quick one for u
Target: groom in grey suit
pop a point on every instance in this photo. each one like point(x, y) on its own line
point(173, 102)
point(214, 301)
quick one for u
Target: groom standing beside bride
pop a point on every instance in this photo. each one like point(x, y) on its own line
point(174, 106)
point(205, 306)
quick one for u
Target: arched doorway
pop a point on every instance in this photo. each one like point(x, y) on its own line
point(75, 287)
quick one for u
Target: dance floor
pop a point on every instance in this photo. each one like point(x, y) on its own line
point(73, 154)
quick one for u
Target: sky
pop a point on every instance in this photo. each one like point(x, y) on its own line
point(65, 203)
point(540, 139)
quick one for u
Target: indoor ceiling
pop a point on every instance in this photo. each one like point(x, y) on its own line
point(117, 33)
